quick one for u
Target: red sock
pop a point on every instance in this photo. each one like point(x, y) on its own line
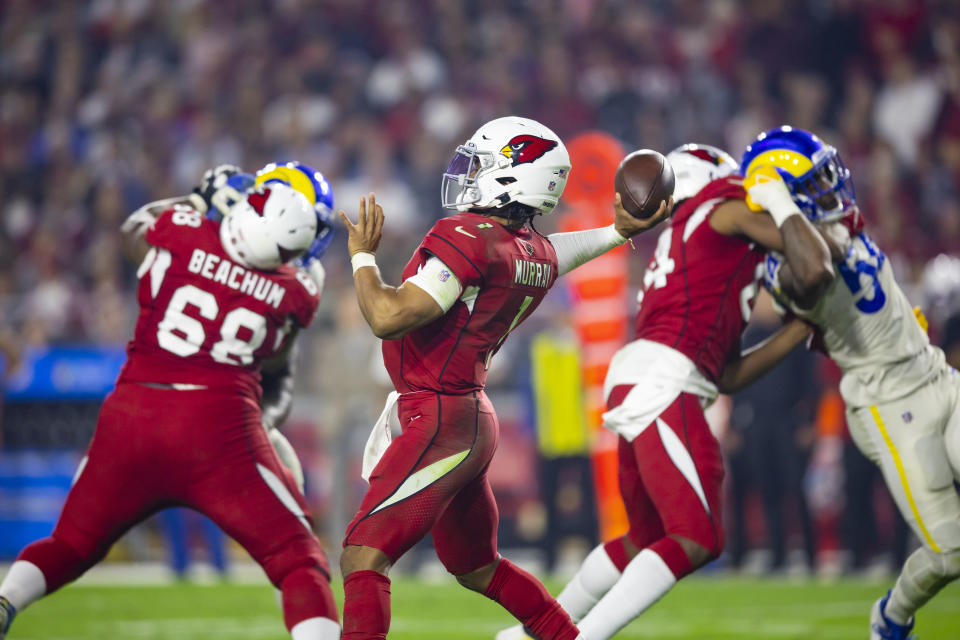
point(307, 594)
point(523, 596)
point(366, 606)
point(617, 553)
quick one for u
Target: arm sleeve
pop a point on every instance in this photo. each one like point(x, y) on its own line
point(577, 247)
point(439, 281)
point(138, 222)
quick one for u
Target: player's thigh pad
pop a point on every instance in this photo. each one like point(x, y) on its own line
point(645, 524)
point(906, 439)
point(253, 498)
point(447, 442)
point(681, 469)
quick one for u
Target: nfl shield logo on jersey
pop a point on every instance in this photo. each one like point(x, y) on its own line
point(907, 416)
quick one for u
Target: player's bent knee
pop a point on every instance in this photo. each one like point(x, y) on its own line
point(946, 564)
point(60, 561)
point(361, 558)
point(698, 554)
point(280, 560)
point(479, 579)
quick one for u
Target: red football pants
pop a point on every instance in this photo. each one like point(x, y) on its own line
point(433, 479)
point(157, 448)
point(671, 480)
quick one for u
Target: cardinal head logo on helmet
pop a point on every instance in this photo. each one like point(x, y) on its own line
point(526, 148)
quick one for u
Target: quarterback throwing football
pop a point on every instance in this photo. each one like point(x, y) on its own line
point(473, 279)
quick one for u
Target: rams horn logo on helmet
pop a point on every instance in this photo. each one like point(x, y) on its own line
point(526, 148)
point(705, 155)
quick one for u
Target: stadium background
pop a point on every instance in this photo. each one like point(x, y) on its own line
point(107, 104)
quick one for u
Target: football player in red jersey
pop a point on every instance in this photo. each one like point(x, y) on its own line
point(473, 279)
point(183, 426)
point(698, 293)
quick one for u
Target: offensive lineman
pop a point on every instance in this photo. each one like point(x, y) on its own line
point(221, 188)
point(698, 294)
point(474, 278)
point(183, 426)
point(902, 399)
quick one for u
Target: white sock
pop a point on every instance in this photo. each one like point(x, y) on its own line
point(316, 629)
point(595, 577)
point(23, 585)
point(645, 580)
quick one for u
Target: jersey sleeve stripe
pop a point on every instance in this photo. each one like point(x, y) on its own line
point(457, 249)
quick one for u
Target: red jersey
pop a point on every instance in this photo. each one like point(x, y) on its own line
point(205, 320)
point(700, 285)
point(505, 274)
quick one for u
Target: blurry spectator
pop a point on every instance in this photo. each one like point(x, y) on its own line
point(941, 291)
point(772, 420)
point(178, 524)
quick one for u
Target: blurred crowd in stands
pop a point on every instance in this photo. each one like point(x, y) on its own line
point(107, 104)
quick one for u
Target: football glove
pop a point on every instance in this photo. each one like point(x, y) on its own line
point(921, 319)
point(219, 189)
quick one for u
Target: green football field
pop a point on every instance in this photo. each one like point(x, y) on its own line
point(701, 609)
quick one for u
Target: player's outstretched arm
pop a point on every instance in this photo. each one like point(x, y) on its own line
point(758, 360)
point(577, 247)
point(135, 226)
point(782, 227)
point(391, 312)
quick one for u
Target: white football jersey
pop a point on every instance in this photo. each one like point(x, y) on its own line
point(870, 330)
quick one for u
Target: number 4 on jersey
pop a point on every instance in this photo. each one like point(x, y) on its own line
point(663, 263)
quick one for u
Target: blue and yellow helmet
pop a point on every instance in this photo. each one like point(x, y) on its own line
point(817, 178)
point(315, 187)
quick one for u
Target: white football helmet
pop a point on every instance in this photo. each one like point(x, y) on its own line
point(941, 287)
point(695, 165)
point(507, 160)
point(271, 226)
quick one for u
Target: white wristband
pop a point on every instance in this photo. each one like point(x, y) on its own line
point(780, 215)
point(772, 195)
point(363, 259)
point(775, 197)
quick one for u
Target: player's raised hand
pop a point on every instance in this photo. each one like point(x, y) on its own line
point(365, 235)
point(628, 226)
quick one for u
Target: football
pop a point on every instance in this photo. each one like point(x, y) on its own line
point(644, 179)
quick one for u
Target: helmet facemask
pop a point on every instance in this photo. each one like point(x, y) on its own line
point(460, 187)
point(824, 193)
